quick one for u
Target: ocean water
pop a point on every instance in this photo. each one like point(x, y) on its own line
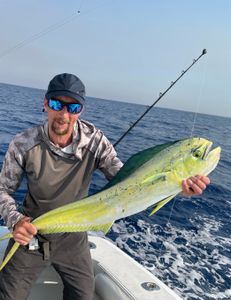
point(187, 243)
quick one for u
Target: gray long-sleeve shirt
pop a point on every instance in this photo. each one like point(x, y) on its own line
point(54, 177)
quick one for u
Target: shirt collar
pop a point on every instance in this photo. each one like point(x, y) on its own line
point(68, 149)
point(82, 136)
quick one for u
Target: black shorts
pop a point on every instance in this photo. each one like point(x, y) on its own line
point(69, 254)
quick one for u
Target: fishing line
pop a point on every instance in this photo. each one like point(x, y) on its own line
point(189, 242)
point(80, 5)
point(49, 29)
point(167, 223)
point(197, 110)
point(39, 34)
point(198, 102)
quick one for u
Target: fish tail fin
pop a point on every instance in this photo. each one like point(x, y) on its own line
point(6, 236)
point(9, 255)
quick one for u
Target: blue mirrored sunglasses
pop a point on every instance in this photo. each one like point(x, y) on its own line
point(57, 105)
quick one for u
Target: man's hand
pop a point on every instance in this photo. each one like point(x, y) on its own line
point(194, 185)
point(24, 231)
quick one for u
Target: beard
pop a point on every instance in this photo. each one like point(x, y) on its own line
point(60, 126)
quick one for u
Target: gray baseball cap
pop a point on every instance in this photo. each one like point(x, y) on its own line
point(66, 85)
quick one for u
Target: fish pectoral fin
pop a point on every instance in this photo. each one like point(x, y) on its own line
point(161, 204)
point(155, 178)
point(9, 255)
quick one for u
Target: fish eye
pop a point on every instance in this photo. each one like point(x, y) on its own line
point(197, 153)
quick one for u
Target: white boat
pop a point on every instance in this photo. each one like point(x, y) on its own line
point(117, 276)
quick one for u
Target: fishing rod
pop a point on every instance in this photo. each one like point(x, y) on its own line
point(204, 51)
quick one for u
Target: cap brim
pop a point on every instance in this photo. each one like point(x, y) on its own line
point(75, 96)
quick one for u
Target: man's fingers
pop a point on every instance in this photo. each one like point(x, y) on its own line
point(25, 223)
point(204, 179)
point(186, 188)
point(195, 185)
point(196, 190)
point(198, 184)
point(22, 239)
point(24, 231)
point(30, 228)
point(22, 236)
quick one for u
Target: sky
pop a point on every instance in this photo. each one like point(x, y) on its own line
point(126, 50)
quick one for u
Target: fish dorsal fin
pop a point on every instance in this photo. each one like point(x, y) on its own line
point(161, 204)
point(136, 161)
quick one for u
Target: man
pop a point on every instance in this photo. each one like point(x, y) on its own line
point(58, 159)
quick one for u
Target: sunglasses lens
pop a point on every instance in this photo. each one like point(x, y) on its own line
point(74, 108)
point(55, 104)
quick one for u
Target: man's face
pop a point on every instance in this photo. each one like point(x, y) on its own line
point(61, 122)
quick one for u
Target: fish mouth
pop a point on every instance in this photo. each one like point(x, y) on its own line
point(207, 150)
point(211, 159)
point(213, 154)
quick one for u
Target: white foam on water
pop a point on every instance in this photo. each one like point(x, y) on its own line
point(193, 263)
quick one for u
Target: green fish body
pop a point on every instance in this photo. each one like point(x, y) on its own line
point(151, 177)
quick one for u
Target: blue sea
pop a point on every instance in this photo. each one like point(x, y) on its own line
point(187, 243)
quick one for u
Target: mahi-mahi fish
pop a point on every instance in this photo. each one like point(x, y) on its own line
point(151, 177)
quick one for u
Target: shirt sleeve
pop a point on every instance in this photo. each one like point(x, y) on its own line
point(109, 163)
point(10, 179)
